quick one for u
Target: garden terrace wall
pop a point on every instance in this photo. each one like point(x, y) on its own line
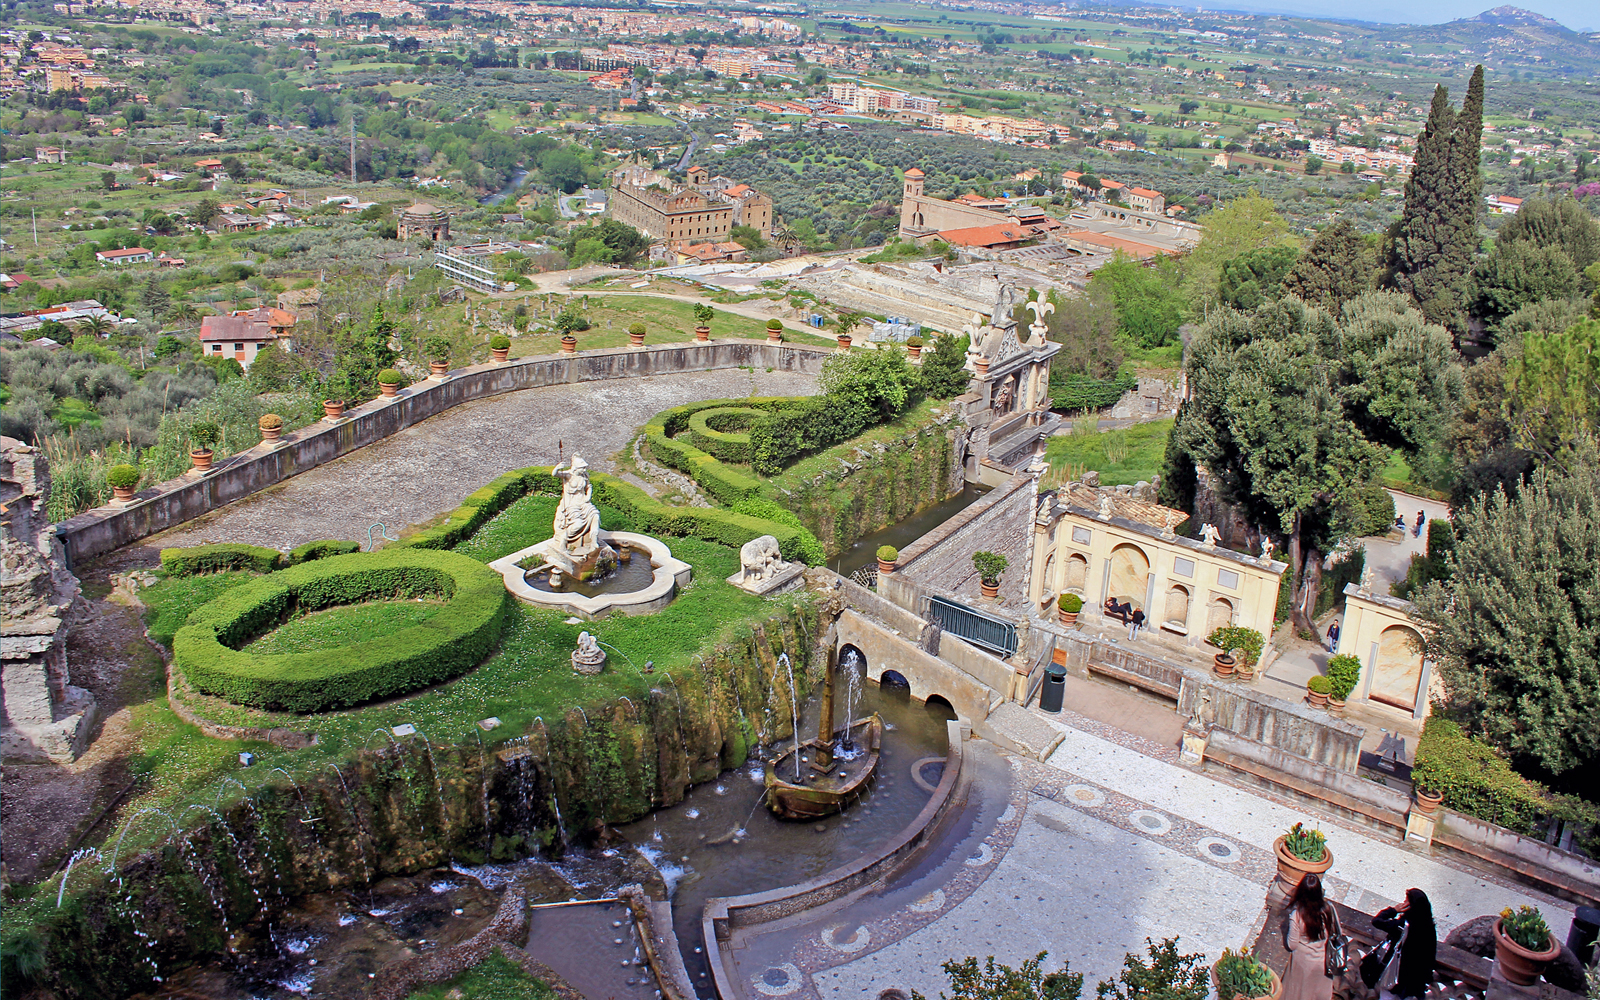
point(940, 562)
point(158, 508)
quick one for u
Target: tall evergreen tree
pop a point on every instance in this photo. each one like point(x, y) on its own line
point(1336, 268)
point(1433, 242)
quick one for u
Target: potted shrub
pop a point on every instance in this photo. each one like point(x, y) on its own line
point(1235, 645)
point(569, 344)
point(702, 318)
point(1301, 852)
point(205, 436)
point(844, 341)
point(1223, 663)
point(989, 566)
point(914, 348)
point(1317, 689)
point(774, 332)
point(332, 409)
point(887, 554)
point(500, 347)
point(389, 382)
point(1068, 607)
point(636, 335)
point(1523, 945)
point(1243, 669)
point(1239, 974)
point(1343, 672)
point(271, 427)
point(438, 351)
point(122, 479)
point(1428, 800)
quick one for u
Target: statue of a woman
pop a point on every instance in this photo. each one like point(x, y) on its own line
point(577, 523)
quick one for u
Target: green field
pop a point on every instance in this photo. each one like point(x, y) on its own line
point(1122, 457)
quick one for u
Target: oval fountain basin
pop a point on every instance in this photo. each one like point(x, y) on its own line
point(630, 576)
point(657, 572)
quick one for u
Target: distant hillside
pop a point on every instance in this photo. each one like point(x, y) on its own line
point(1507, 37)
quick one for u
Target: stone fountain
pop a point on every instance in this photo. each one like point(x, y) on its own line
point(586, 570)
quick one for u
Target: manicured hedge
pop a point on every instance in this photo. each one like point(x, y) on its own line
point(811, 550)
point(322, 549)
point(785, 436)
point(727, 485)
point(724, 431)
point(1076, 391)
point(648, 516)
point(1475, 779)
point(200, 559)
point(207, 647)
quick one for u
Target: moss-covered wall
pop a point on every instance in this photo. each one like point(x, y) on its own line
point(887, 484)
point(415, 805)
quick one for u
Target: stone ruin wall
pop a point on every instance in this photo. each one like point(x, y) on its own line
point(43, 716)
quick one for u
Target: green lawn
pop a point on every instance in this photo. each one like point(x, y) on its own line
point(1122, 457)
point(345, 625)
point(666, 321)
point(495, 978)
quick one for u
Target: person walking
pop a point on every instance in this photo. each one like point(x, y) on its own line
point(1311, 923)
point(1413, 943)
point(1333, 635)
point(1422, 518)
point(1135, 624)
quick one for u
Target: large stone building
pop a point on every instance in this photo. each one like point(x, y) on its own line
point(704, 210)
point(922, 216)
point(423, 220)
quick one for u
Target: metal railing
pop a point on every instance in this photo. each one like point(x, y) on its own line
point(994, 635)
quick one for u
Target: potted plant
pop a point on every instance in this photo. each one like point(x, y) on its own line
point(205, 435)
point(1428, 800)
point(122, 479)
point(1523, 945)
point(1343, 672)
point(1068, 607)
point(636, 335)
point(702, 318)
point(1317, 689)
point(1239, 974)
point(1223, 664)
point(989, 566)
point(332, 409)
point(774, 332)
point(981, 365)
point(844, 341)
point(1244, 669)
point(914, 348)
point(569, 344)
point(1301, 852)
point(271, 427)
point(500, 347)
point(887, 554)
point(389, 382)
point(438, 351)
point(1236, 645)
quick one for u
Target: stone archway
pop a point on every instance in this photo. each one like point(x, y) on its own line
point(1397, 669)
point(1049, 579)
point(849, 650)
point(1218, 614)
point(1075, 575)
point(1175, 609)
point(1130, 574)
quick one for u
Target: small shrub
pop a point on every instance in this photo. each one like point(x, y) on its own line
point(703, 314)
point(1476, 779)
point(1343, 672)
point(1319, 684)
point(123, 476)
point(199, 559)
point(1305, 844)
point(888, 553)
point(989, 566)
point(205, 435)
point(437, 349)
point(499, 342)
point(389, 377)
point(1070, 603)
point(1525, 925)
point(636, 330)
point(322, 549)
point(1240, 974)
point(914, 342)
point(1231, 637)
point(270, 421)
point(773, 324)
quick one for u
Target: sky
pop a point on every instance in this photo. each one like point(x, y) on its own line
point(1575, 14)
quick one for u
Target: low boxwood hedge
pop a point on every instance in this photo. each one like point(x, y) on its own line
point(322, 549)
point(724, 431)
point(208, 648)
point(727, 485)
point(199, 559)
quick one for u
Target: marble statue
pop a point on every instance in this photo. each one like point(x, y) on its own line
point(760, 560)
point(588, 658)
point(1209, 534)
point(1266, 550)
point(1367, 579)
point(1105, 508)
point(578, 549)
point(1005, 309)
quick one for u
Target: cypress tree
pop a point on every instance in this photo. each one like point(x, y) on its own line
point(1336, 268)
point(1433, 242)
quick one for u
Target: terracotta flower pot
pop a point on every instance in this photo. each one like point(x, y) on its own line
point(201, 457)
point(1521, 966)
point(1222, 665)
point(844, 343)
point(885, 567)
point(1273, 994)
point(1335, 707)
point(635, 339)
point(122, 493)
point(569, 344)
point(438, 369)
point(982, 365)
point(271, 434)
point(1317, 699)
point(333, 409)
point(774, 336)
point(1427, 802)
point(1292, 869)
point(1245, 672)
point(702, 333)
point(1068, 618)
point(389, 388)
point(500, 353)
point(914, 352)
point(989, 589)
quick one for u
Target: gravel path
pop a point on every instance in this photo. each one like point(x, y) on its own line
point(430, 467)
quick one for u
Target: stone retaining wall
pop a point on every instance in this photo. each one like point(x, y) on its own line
point(105, 529)
point(940, 562)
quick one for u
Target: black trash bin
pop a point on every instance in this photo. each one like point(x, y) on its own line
point(1055, 688)
point(1585, 930)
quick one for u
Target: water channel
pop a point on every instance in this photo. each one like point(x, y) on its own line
point(864, 551)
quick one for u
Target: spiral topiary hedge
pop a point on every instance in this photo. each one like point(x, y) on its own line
point(208, 648)
point(724, 431)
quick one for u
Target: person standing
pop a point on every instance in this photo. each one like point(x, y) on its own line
point(1333, 635)
point(1422, 517)
point(1135, 623)
point(1411, 933)
point(1311, 923)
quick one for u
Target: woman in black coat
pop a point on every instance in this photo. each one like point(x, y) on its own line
point(1413, 918)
